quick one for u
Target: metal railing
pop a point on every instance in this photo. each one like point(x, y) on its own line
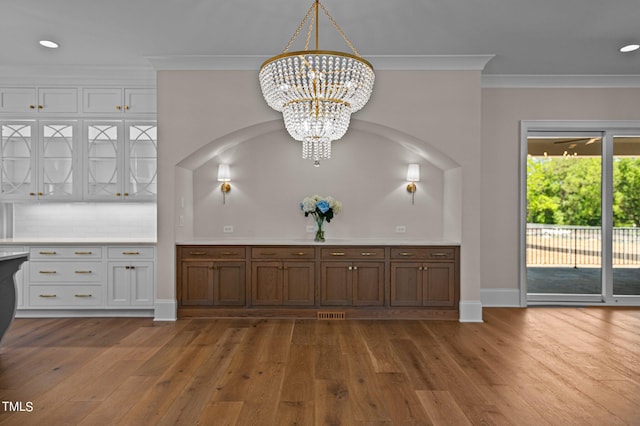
point(579, 246)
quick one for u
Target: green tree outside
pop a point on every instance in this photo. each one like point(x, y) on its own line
point(567, 191)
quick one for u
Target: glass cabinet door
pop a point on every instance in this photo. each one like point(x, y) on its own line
point(57, 165)
point(142, 141)
point(18, 160)
point(102, 155)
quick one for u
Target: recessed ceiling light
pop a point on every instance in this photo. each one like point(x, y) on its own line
point(48, 43)
point(629, 48)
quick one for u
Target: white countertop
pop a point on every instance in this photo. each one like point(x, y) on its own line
point(75, 240)
point(328, 242)
point(8, 255)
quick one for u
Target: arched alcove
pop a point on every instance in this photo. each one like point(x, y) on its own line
point(367, 172)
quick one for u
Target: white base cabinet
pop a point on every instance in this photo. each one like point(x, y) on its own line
point(73, 277)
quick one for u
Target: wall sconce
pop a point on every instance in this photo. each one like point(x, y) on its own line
point(224, 176)
point(413, 176)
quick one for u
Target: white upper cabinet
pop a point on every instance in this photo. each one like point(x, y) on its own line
point(119, 101)
point(120, 161)
point(54, 100)
point(38, 160)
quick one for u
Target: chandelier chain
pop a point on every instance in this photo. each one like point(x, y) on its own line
point(286, 49)
point(306, 43)
point(313, 7)
point(337, 27)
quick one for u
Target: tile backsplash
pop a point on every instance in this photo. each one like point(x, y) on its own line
point(131, 220)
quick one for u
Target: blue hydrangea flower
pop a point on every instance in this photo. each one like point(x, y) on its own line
point(323, 206)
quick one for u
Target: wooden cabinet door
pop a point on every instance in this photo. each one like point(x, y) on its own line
point(229, 283)
point(298, 285)
point(406, 284)
point(337, 284)
point(266, 283)
point(438, 284)
point(196, 283)
point(368, 283)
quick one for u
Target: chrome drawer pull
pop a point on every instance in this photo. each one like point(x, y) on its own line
point(406, 254)
point(130, 252)
point(337, 253)
point(83, 252)
point(438, 254)
point(367, 254)
point(196, 253)
point(82, 295)
point(48, 252)
point(48, 295)
point(229, 253)
point(300, 253)
point(83, 272)
point(48, 272)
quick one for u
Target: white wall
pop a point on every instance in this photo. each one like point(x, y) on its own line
point(502, 111)
point(439, 108)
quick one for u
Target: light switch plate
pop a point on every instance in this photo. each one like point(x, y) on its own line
point(227, 229)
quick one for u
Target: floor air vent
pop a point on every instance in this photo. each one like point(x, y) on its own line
point(331, 315)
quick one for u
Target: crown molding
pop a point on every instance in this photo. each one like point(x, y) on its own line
point(78, 75)
point(379, 62)
point(497, 81)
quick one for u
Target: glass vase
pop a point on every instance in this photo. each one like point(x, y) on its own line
point(319, 238)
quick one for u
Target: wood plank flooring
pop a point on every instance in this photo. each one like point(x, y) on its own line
point(536, 366)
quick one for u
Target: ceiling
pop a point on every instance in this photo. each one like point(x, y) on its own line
point(531, 37)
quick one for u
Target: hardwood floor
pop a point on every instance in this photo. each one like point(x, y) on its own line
point(537, 366)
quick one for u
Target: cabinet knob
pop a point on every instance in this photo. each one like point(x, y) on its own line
point(126, 107)
point(40, 194)
point(126, 194)
point(32, 107)
point(33, 194)
point(118, 194)
point(350, 268)
point(40, 107)
point(118, 107)
point(355, 268)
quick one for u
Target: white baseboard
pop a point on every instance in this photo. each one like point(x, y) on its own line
point(470, 311)
point(166, 310)
point(500, 297)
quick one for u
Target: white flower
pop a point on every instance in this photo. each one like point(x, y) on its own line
point(336, 206)
point(309, 205)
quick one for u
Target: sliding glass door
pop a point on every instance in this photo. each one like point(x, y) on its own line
point(626, 216)
point(580, 213)
point(564, 216)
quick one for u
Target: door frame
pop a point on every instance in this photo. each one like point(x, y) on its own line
point(608, 129)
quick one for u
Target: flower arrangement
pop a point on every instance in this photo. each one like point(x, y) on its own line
point(321, 208)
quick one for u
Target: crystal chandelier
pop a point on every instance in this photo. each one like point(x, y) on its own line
point(316, 90)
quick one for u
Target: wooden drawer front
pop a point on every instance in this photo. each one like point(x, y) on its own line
point(65, 295)
point(431, 253)
point(294, 252)
point(351, 253)
point(65, 272)
point(130, 253)
point(36, 253)
point(206, 252)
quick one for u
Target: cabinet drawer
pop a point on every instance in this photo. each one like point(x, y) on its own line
point(65, 295)
point(36, 253)
point(207, 252)
point(432, 253)
point(294, 252)
point(65, 271)
point(351, 253)
point(130, 252)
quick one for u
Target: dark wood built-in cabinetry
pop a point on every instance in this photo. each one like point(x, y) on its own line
point(299, 281)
